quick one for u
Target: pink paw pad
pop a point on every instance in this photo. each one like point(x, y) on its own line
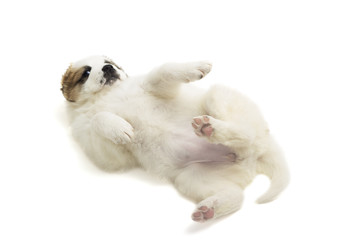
point(202, 126)
point(203, 214)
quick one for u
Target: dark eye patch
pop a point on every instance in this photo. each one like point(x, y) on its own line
point(85, 75)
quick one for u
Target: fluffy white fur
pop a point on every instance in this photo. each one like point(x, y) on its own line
point(209, 144)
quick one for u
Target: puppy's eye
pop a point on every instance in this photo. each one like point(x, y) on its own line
point(85, 75)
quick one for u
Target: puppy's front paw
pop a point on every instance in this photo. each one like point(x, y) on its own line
point(112, 127)
point(197, 70)
point(122, 137)
point(123, 134)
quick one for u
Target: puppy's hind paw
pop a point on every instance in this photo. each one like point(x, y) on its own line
point(202, 126)
point(203, 214)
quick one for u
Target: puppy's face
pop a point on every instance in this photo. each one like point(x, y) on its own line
point(89, 76)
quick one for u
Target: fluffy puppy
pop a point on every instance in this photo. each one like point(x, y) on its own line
point(209, 144)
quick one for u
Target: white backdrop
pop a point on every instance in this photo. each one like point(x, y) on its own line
point(299, 60)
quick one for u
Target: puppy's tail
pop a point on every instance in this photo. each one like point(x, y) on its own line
point(273, 165)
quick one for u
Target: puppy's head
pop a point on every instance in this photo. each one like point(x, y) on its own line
point(90, 76)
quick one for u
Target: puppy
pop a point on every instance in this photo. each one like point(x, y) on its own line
point(209, 144)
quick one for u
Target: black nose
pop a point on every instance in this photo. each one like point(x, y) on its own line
point(108, 69)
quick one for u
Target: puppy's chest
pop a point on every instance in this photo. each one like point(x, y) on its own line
point(143, 111)
point(150, 117)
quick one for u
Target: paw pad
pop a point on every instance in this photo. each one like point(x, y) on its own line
point(202, 126)
point(203, 214)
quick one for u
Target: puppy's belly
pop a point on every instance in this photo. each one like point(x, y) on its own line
point(193, 149)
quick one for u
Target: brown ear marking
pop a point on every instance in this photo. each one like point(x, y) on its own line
point(69, 86)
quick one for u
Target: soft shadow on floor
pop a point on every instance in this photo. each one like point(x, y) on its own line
point(198, 227)
point(146, 177)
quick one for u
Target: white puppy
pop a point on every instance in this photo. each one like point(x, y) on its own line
point(209, 144)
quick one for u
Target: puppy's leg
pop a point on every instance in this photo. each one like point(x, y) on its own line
point(208, 185)
point(165, 81)
point(112, 127)
point(231, 119)
point(237, 123)
point(222, 203)
point(226, 133)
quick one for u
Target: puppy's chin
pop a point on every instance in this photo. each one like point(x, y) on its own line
point(110, 82)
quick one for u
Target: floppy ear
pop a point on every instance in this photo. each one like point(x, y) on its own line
point(64, 78)
point(68, 84)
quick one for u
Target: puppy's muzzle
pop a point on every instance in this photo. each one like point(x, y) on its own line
point(110, 74)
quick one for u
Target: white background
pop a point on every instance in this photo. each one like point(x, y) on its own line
point(298, 60)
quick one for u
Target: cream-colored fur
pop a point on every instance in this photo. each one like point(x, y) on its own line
point(209, 144)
